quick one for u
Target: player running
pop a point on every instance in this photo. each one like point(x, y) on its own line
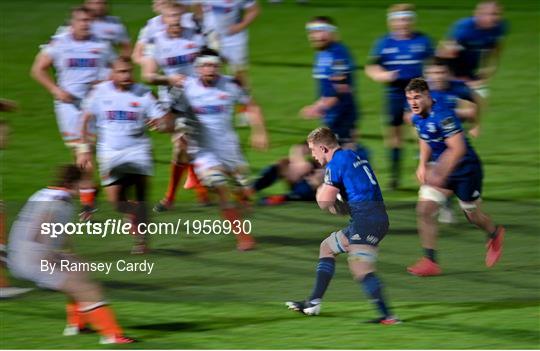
point(173, 53)
point(214, 146)
point(29, 248)
point(80, 61)
point(474, 45)
point(105, 27)
point(229, 19)
point(122, 110)
point(395, 59)
point(349, 179)
point(334, 73)
point(157, 24)
point(448, 165)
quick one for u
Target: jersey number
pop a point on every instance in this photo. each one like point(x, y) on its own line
point(370, 176)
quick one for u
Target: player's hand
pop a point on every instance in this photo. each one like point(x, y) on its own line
point(259, 141)
point(474, 131)
point(84, 160)
point(391, 76)
point(63, 96)
point(176, 80)
point(421, 174)
point(435, 179)
point(310, 112)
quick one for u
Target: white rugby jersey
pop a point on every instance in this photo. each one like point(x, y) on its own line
point(78, 63)
point(175, 55)
point(48, 205)
point(108, 28)
point(111, 29)
point(121, 116)
point(219, 15)
point(155, 25)
point(214, 108)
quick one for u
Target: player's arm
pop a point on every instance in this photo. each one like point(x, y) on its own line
point(326, 196)
point(84, 148)
point(41, 73)
point(424, 157)
point(138, 52)
point(490, 62)
point(126, 49)
point(250, 13)
point(259, 135)
point(449, 159)
point(151, 75)
point(317, 109)
point(379, 74)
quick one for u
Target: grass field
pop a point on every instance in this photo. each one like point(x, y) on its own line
point(204, 294)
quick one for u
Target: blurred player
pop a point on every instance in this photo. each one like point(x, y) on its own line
point(122, 110)
point(173, 53)
point(302, 175)
point(6, 290)
point(215, 147)
point(230, 20)
point(29, 248)
point(448, 165)
point(454, 95)
point(395, 59)
point(79, 60)
point(157, 24)
point(349, 180)
point(105, 27)
point(474, 45)
point(334, 73)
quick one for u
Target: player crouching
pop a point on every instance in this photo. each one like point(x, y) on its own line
point(28, 249)
point(122, 111)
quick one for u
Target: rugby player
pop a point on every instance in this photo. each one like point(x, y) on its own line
point(122, 110)
point(395, 59)
point(79, 60)
point(214, 146)
point(105, 27)
point(157, 24)
point(334, 73)
point(28, 248)
point(302, 174)
point(474, 45)
point(459, 97)
point(174, 51)
point(448, 165)
point(230, 20)
point(349, 180)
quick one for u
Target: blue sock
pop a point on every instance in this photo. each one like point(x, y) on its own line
point(269, 175)
point(431, 254)
point(325, 272)
point(395, 158)
point(373, 288)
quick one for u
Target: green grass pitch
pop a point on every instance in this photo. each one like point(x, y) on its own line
point(204, 294)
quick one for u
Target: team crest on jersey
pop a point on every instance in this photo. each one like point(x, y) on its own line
point(191, 46)
point(95, 51)
point(135, 104)
point(223, 96)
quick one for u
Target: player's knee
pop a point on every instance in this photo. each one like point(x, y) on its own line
point(429, 201)
point(213, 178)
point(332, 245)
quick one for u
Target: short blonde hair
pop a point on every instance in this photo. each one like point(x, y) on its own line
point(323, 136)
point(401, 7)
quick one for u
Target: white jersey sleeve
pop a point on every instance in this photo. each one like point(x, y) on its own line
point(153, 109)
